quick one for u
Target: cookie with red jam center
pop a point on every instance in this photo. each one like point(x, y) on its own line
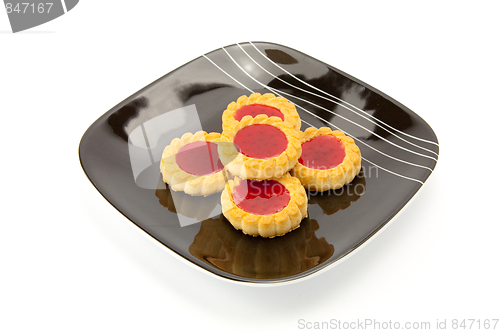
point(191, 164)
point(329, 159)
point(322, 152)
point(266, 208)
point(261, 197)
point(260, 148)
point(256, 104)
point(199, 158)
point(260, 141)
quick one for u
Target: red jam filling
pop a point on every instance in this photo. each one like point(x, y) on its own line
point(255, 109)
point(260, 141)
point(322, 152)
point(199, 158)
point(261, 197)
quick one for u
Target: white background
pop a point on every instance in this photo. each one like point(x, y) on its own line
point(69, 262)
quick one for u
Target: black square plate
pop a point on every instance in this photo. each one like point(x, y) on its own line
point(399, 151)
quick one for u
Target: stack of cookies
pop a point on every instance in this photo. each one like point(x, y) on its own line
point(262, 163)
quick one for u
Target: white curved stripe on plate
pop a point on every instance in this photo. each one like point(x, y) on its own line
point(318, 106)
point(275, 91)
point(394, 173)
point(324, 92)
point(337, 103)
point(223, 71)
point(373, 148)
point(389, 171)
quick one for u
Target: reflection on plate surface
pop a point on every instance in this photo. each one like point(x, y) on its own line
point(189, 209)
point(399, 149)
point(230, 250)
point(334, 200)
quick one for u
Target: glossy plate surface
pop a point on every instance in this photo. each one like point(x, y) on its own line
point(399, 152)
